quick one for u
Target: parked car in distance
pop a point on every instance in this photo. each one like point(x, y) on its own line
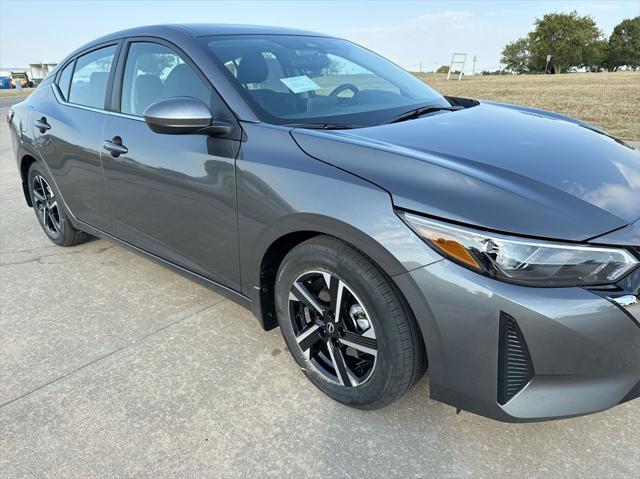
point(5, 83)
point(382, 226)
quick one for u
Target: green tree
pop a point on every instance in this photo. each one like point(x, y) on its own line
point(624, 44)
point(515, 56)
point(595, 56)
point(443, 69)
point(567, 37)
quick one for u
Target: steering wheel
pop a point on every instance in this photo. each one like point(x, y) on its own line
point(346, 86)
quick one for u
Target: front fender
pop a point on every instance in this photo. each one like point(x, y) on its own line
point(283, 193)
point(281, 190)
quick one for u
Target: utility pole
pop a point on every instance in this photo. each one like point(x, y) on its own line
point(473, 71)
point(420, 67)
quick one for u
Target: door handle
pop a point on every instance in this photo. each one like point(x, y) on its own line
point(42, 124)
point(115, 146)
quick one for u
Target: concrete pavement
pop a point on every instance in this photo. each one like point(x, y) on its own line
point(111, 365)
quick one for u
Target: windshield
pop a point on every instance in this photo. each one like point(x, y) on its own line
point(291, 79)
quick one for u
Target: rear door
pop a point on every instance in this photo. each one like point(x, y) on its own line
point(67, 127)
point(173, 195)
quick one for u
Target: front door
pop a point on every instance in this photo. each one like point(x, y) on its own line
point(173, 195)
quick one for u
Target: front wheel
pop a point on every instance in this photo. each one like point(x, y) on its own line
point(346, 325)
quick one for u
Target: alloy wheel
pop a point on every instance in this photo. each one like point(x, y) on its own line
point(332, 328)
point(46, 206)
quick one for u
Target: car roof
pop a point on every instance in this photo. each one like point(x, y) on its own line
point(205, 29)
point(194, 30)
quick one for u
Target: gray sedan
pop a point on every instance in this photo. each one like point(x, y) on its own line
point(385, 228)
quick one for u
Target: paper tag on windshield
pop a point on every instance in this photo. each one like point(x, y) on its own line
point(300, 84)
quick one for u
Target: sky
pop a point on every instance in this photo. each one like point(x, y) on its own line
point(411, 33)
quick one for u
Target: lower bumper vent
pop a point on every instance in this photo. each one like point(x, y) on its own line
point(515, 368)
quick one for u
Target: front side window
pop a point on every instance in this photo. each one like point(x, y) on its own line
point(90, 77)
point(291, 79)
point(154, 72)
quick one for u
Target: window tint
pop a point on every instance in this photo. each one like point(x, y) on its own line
point(293, 79)
point(89, 82)
point(154, 72)
point(64, 80)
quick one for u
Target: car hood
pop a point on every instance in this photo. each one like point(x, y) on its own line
point(507, 168)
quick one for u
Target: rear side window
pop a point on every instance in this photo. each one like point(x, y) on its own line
point(154, 72)
point(89, 81)
point(64, 80)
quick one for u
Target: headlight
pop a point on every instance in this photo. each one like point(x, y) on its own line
point(524, 261)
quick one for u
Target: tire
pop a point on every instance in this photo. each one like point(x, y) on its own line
point(50, 211)
point(374, 352)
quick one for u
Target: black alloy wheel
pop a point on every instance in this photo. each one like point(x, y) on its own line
point(346, 325)
point(50, 210)
point(332, 328)
point(46, 206)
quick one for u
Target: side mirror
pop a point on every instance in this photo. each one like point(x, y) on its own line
point(182, 115)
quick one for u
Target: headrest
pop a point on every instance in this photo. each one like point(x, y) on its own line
point(99, 78)
point(252, 68)
point(146, 80)
point(181, 81)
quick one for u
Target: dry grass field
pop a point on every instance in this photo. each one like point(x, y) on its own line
point(610, 101)
point(11, 93)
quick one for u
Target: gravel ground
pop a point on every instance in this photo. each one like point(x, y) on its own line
point(112, 366)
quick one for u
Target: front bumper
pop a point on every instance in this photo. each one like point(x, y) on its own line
point(583, 348)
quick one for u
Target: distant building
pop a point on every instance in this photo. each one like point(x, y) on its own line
point(37, 71)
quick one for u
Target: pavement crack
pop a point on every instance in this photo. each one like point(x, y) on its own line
point(37, 248)
point(28, 250)
point(115, 351)
point(38, 259)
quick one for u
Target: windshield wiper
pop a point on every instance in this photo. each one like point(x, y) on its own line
point(323, 126)
point(418, 112)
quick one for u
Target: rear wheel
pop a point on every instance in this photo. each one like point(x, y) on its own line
point(346, 325)
point(50, 211)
